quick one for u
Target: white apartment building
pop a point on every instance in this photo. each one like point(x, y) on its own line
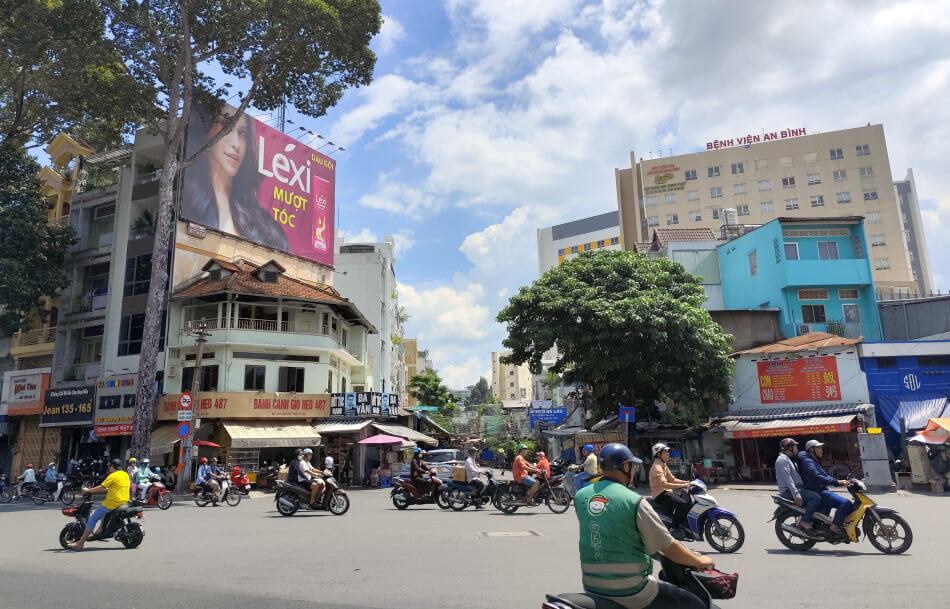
point(565, 241)
point(784, 173)
point(509, 382)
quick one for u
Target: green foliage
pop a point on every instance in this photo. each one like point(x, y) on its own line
point(631, 327)
point(423, 354)
point(427, 387)
point(551, 380)
point(32, 251)
point(508, 446)
point(489, 409)
point(480, 393)
point(396, 339)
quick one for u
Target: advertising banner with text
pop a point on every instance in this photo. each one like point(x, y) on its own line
point(69, 406)
point(249, 405)
point(24, 390)
point(364, 404)
point(809, 379)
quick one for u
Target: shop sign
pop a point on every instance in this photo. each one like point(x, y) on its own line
point(550, 416)
point(115, 429)
point(23, 391)
point(795, 430)
point(810, 379)
point(115, 407)
point(749, 138)
point(364, 404)
point(69, 406)
point(248, 405)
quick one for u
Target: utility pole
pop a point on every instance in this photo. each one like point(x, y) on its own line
point(200, 330)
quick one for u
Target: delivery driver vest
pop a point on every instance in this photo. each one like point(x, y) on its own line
point(613, 559)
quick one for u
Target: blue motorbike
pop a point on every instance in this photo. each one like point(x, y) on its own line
point(706, 519)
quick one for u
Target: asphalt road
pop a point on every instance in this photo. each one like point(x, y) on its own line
point(425, 558)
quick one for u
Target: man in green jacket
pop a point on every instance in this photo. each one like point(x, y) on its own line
point(618, 534)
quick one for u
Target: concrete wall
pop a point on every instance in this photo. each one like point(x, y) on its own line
point(915, 319)
point(751, 328)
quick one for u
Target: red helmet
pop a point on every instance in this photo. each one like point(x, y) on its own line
point(203, 460)
point(29, 466)
point(540, 454)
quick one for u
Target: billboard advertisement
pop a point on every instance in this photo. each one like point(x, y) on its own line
point(23, 391)
point(261, 185)
point(71, 406)
point(811, 379)
point(248, 405)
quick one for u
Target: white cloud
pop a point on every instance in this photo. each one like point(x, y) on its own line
point(404, 240)
point(443, 312)
point(364, 235)
point(386, 96)
point(389, 34)
point(400, 198)
point(462, 375)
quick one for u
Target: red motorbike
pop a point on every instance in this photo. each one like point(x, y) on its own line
point(406, 492)
point(240, 481)
point(157, 495)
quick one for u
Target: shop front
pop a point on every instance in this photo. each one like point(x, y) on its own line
point(22, 400)
point(68, 413)
point(115, 407)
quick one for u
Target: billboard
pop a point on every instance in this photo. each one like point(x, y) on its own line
point(23, 391)
point(261, 185)
point(70, 406)
point(811, 379)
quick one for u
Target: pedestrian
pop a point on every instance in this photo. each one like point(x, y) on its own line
point(501, 461)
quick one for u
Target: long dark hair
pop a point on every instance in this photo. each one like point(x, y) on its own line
point(199, 203)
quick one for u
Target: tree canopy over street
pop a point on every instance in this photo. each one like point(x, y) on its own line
point(631, 327)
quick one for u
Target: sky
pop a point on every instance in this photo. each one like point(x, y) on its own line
point(489, 119)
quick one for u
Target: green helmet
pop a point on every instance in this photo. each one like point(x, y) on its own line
point(521, 447)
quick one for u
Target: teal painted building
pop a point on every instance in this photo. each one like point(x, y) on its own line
point(815, 270)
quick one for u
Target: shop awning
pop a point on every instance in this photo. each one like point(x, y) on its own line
point(936, 432)
point(916, 410)
point(341, 426)
point(422, 416)
point(736, 430)
point(404, 432)
point(164, 439)
point(271, 435)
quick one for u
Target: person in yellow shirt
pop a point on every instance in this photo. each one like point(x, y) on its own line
point(116, 487)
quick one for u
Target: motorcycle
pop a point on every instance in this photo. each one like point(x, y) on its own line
point(884, 527)
point(267, 476)
point(156, 495)
point(460, 495)
point(513, 495)
point(720, 527)
point(406, 492)
point(290, 498)
point(226, 493)
point(240, 481)
point(6, 495)
point(118, 523)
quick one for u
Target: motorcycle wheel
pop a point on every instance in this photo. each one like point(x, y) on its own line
point(339, 504)
point(892, 529)
point(558, 500)
point(504, 503)
point(724, 533)
point(400, 501)
point(442, 500)
point(67, 496)
point(164, 501)
point(133, 536)
point(201, 500)
point(288, 510)
point(6, 496)
point(233, 497)
point(788, 540)
point(457, 500)
point(39, 499)
point(70, 534)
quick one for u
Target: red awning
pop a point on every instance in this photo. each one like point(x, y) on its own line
point(737, 430)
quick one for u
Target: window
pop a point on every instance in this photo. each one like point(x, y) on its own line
point(737, 168)
point(739, 189)
point(715, 192)
point(587, 247)
point(692, 195)
point(887, 362)
point(560, 252)
point(764, 185)
point(290, 379)
point(791, 250)
point(813, 314)
point(814, 178)
point(870, 194)
point(836, 154)
point(712, 172)
point(742, 210)
point(767, 207)
point(818, 201)
point(933, 360)
point(649, 201)
point(254, 378)
point(672, 219)
point(107, 402)
point(138, 271)
point(840, 175)
point(827, 250)
point(511, 384)
point(653, 221)
point(601, 243)
point(882, 264)
point(614, 240)
point(862, 150)
point(130, 334)
point(810, 157)
point(690, 174)
point(813, 294)
point(843, 197)
point(695, 216)
point(788, 182)
point(791, 204)
point(209, 378)
point(873, 217)
point(753, 264)
point(573, 251)
point(785, 161)
point(761, 163)
point(866, 172)
point(877, 240)
point(715, 212)
point(670, 197)
point(848, 294)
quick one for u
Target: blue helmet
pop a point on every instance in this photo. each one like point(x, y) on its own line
point(416, 450)
point(613, 456)
point(589, 447)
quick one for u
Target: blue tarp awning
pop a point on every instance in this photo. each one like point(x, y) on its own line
point(916, 410)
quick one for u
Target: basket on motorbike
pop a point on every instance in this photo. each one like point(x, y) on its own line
point(458, 474)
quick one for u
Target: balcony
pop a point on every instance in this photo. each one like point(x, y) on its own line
point(34, 337)
point(870, 331)
point(805, 273)
point(86, 304)
point(77, 372)
point(270, 332)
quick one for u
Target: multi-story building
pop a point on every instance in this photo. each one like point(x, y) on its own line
point(508, 381)
point(914, 233)
point(786, 173)
point(565, 241)
point(816, 270)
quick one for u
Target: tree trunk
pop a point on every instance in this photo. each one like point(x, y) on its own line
point(157, 297)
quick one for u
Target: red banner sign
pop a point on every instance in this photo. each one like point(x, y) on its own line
point(119, 429)
point(810, 379)
point(796, 430)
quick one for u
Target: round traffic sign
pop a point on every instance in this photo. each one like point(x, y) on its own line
point(184, 401)
point(183, 430)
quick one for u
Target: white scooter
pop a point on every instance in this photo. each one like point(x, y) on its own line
point(226, 493)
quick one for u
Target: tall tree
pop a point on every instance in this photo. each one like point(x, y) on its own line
point(32, 251)
point(427, 387)
point(59, 72)
point(480, 393)
point(302, 52)
point(631, 327)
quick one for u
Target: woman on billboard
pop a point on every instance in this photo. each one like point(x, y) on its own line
point(221, 187)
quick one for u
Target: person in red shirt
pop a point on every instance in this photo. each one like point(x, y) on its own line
point(544, 465)
point(520, 471)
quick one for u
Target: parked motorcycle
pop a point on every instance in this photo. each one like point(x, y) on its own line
point(6, 495)
point(118, 523)
point(513, 495)
point(290, 498)
point(884, 527)
point(267, 476)
point(460, 495)
point(157, 495)
point(226, 493)
point(405, 493)
point(720, 527)
point(240, 481)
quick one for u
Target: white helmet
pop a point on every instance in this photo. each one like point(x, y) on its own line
point(813, 444)
point(307, 451)
point(659, 447)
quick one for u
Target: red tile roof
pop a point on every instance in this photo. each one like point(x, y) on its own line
point(805, 342)
point(643, 246)
point(664, 236)
point(244, 281)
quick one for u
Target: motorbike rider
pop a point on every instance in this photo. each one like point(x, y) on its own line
point(618, 534)
point(310, 477)
point(818, 480)
point(790, 483)
point(543, 465)
point(589, 467)
point(663, 484)
point(418, 472)
point(116, 485)
point(131, 470)
point(521, 471)
point(207, 480)
point(473, 475)
point(25, 480)
point(143, 478)
point(52, 480)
